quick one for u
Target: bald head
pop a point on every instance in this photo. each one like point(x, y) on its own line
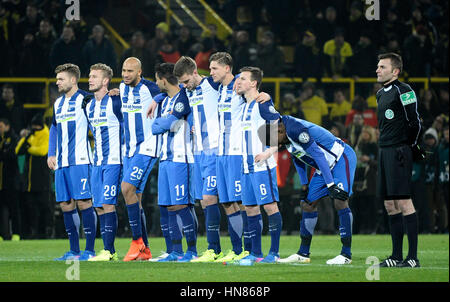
point(131, 71)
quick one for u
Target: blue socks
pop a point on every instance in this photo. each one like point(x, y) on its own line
point(189, 228)
point(255, 230)
point(164, 221)
point(144, 227)
point(235, 229)
point(89, 218)
point(307, 226)
point(134, 217)
point(245, 233)
point(213, 227)
point(110, 220)
point(175, 232)
point(275, 226)
point(345, 230)
point(72, 225)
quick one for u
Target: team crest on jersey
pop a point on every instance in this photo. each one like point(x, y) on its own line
point(303, 137)
point(389, 114)
point(179, 107)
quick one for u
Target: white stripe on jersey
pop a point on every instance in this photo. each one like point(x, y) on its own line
point(230, 108)
point(176, 143)
point(251, 144)
point(72, 145)
point(138, 128)
point(203, 101)
point(107, 131)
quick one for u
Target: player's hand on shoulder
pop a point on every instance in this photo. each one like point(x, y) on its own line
point(263, 97)
point(114, 92)
point(87, 98)
point(151, 109)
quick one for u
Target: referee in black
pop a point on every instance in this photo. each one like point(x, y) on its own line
point(400, 128)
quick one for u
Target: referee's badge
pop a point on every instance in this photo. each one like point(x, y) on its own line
point(179, 107)
point(303, 137)
point(389, 114)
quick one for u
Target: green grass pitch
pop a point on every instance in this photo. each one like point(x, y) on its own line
point(32, 260)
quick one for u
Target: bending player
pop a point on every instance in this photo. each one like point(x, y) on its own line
point(335, 164)
point(106, 122)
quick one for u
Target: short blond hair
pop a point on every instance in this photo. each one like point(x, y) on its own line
point(107, 71)
point(70, 68)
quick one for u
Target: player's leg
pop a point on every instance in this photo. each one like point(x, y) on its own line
point(132, 176)
point(268, 197)
point(254, 218)
point(226, 191)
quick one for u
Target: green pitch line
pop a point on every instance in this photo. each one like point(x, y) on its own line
point(32, 260)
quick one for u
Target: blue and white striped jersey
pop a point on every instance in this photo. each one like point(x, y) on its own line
point(138, 134)
point(311, 144)
point(203, 101)
point(251, 144)
point(70, 122)
point(106, 122)
point(230, 108)
point(176, 142)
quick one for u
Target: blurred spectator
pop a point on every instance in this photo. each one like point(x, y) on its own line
point(340, 107)
point(28, 24)
point(137, 49)
point(168, 53)
point(336, 52)
point(202, 57)
point(338, 130)
point(244, 52)
point(359, 106)
point(27, 57)
point(184, 41)
point(440, 59)
point(218, 44)
point(290, 105)
point(417, 53)
point(314, 107)
point(98, 49)
point(354, 129)
point(11, 108)
point(45, 38)
point(9, 202)
point(364, 59)
point(444, 100)
point(6, 45)
point(428, 107)
point(356, 22)
point(80, 29)
point(434, 218)
point(324, 28)
point(28, 65)
point(372, 98)
point(394, 25)
point(308, 57)
point(393, 45)
point(270, 58)
point(364, 188)
point(37, 210)
point(66, 49)
point(161, 35)
point(443, 158)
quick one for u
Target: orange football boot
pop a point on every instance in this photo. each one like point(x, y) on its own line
point(145, 254)
point(136, 247)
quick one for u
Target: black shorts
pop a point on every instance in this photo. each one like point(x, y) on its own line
point(394, 172)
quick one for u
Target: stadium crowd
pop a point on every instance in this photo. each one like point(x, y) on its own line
point(305, 39)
